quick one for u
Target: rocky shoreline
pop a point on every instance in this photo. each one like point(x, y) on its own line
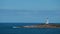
point(40, 26)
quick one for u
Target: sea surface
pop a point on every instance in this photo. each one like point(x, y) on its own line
point(7, 28)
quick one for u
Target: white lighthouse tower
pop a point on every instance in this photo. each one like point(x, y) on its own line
point(47, 21)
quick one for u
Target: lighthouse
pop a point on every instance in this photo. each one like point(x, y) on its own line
point(47, 21)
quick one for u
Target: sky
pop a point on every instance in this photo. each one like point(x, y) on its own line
point(30, 11)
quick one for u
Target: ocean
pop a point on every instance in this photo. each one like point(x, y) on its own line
point(7, 28)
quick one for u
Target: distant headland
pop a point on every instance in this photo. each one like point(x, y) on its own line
point(46, 25)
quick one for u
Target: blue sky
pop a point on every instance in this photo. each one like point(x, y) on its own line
point(29, 10)
point(30, 4)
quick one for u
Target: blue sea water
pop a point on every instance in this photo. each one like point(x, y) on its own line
point(6, 28)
